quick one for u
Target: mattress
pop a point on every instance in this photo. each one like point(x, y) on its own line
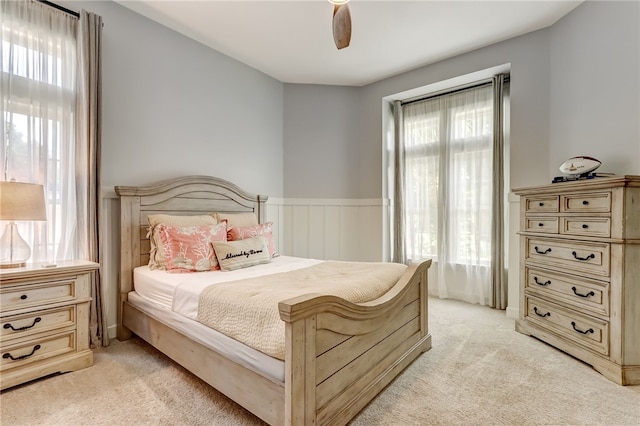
point(173, 300)
point(212, 339)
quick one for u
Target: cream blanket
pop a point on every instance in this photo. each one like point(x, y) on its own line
point(247, 310)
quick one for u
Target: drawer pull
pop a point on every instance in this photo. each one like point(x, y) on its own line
point(546, 314)
point(26, 327)
point(541, 204)
point(23, 297)
point(540, 224)
point(585, 226)
point(591, 256)
point(585, 203)
point(575, 291)
point(573, 324)
point(535, 279)
point(543, 252)
point(8, 355)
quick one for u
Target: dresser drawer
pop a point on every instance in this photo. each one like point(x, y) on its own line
point(592, 202)
point(547, 225)
point(35, 350)
point(36, 322)
point(541, 204)
point(586, 226)
point(582, 257)
point(584, 330)
point(582, 294)
point(36, 294)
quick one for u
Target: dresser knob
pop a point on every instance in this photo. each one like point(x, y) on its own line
point(541, 204)
point(585, 226)
point(8, 355)
point(546, 314)
point(575, 291)
point(535, 279)
point(23, 297)
point(585, 203)
point(573, 324)
point(542, 252)
point(26, 327)
point(575, 255)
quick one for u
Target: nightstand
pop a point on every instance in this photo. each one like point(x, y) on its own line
point(44, 320)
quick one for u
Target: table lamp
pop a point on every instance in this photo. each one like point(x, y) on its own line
point(18, 201)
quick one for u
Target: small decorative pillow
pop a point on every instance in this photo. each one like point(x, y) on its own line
point(157, 258)
point(263, 229)
point(190, 248)
point(238, 219)
point(234, 255)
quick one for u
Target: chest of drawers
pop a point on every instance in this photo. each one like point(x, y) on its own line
point(44, 320)
point(580, 271)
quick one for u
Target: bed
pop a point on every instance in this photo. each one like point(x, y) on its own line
point(338, 355)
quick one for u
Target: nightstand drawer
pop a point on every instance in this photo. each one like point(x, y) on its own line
point(592, 202)
point(36, 322)
point(583, 294)
point(584, 330)
point(541, 204)
point(581, 257)
point(586, 226)
point(37, 294)
point(36, 350)
point(547, 225)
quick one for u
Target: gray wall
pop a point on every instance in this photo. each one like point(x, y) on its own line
point(560, 105)
point(575, 91)
point(319, 129)
point(595, 86)
point(172, 106)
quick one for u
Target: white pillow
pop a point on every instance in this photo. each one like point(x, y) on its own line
point(238, 254)
point(238, 219)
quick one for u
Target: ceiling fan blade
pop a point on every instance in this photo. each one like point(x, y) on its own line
point(341, 26)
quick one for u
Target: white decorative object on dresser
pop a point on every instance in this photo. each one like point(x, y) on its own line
point(580, 271)
point(44, 317)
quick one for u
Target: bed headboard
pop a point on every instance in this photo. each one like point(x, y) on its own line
point(189, 195)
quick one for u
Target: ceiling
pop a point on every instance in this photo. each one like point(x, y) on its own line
point(292, 40)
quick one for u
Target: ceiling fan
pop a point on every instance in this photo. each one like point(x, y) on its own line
point(341, 23)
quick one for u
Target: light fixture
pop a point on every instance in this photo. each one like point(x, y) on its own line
point(18, 201)
point(341, 23)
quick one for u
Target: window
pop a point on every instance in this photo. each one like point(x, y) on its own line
point(448, 201)
point(448, 176)
point(37, 113)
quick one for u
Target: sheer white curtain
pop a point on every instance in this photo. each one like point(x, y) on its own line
point(38, 100)
point(448, 176)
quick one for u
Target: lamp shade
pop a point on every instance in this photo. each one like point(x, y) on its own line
point(22, 201)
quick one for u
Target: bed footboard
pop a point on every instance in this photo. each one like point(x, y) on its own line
point(340, 355)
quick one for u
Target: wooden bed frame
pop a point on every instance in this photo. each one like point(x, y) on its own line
point(339, 355)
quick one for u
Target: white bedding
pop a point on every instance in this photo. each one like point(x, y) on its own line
point(180, 292)
point(173, 299)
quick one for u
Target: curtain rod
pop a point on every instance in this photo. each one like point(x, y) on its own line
point(56, 6)
point(451, 90)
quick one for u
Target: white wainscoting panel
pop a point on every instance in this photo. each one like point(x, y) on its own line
point(329, 229)
point(110, 262)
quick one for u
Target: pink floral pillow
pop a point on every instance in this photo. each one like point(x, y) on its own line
point(190, 248)
point(263, 229)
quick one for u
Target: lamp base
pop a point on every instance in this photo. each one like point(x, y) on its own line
point(14, 250)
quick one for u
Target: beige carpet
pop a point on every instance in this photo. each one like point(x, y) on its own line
point(479, 372)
